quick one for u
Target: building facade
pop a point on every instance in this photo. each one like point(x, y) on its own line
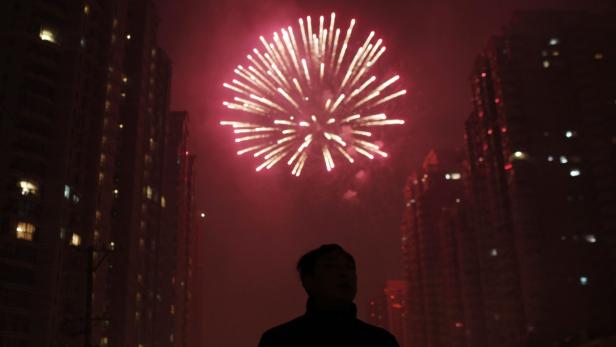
point(56, 100)
point(525, 255)
point(438, 255)
point(541, 147)
point(84, 104)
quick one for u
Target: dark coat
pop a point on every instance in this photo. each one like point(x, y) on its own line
point(327, 329)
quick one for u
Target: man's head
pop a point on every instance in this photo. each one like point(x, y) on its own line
point(328, 275)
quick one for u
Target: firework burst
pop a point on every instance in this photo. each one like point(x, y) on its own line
point(307, 93)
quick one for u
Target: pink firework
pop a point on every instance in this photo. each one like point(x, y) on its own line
point(311, 94)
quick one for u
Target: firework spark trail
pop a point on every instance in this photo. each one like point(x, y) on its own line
point(311, 94)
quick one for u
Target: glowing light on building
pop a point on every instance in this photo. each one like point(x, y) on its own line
point(569, 134)
point(311, 91)
point(574, 173)
point(47, 35)
point(25, 231)
point(28, 187)
point(453, 176)
point(76, 240)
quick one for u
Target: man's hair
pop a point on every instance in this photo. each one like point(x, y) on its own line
point(307, 263)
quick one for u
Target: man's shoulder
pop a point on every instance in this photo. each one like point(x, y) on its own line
point(283, 330)
point(377, 333)
point(284, 327)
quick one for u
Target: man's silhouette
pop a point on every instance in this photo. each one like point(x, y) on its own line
point(328, 276)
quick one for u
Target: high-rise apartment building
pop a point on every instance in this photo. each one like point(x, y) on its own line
point(84, 105)
point(542, 148)
point(388, 310)
point(525, 255)
point(177, 237)
point(57, 106)
point(137, 208)
point(438, 254)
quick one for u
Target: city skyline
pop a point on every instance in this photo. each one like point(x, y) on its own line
point(143, 219)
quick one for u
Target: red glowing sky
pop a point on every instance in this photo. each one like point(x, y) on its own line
point(257, 225)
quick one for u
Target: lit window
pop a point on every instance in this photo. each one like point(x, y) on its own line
point(163, 202)
point(86, 9)
point(458, 200)
point(141, 242)
point(125, 79)
point(202, 214)
point(171, 338)
point(453, 176)
point(483, 75)
point(590, 238)
point(583, 280)
point(138, 296)
point(123, 95)
point(46, 34)
point(75, 240)
point(556, 53)
point(599, 56)
point(67, 191)
point(546, 64)
point(82, 43)
point(128, 36)
point(103, 158)
point(459, 325)
point(116, 192)
point(121, 126)
point(62, 233)
point(519, 155)
point(111, 246)
point(172, 309)
point(554, 41)
point(563, 159)
point(148, 192)
point(104, 341)
point(75, 198)
point(28, 187)
point(98, 215)
point(25, 231)
point(494, 252)
point(550, 158)
point(570, 133)
point(574, 173)
point(101, 177)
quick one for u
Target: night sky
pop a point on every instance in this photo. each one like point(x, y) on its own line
point(258, 225)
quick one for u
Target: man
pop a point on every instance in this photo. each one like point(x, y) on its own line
point(328, 276)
